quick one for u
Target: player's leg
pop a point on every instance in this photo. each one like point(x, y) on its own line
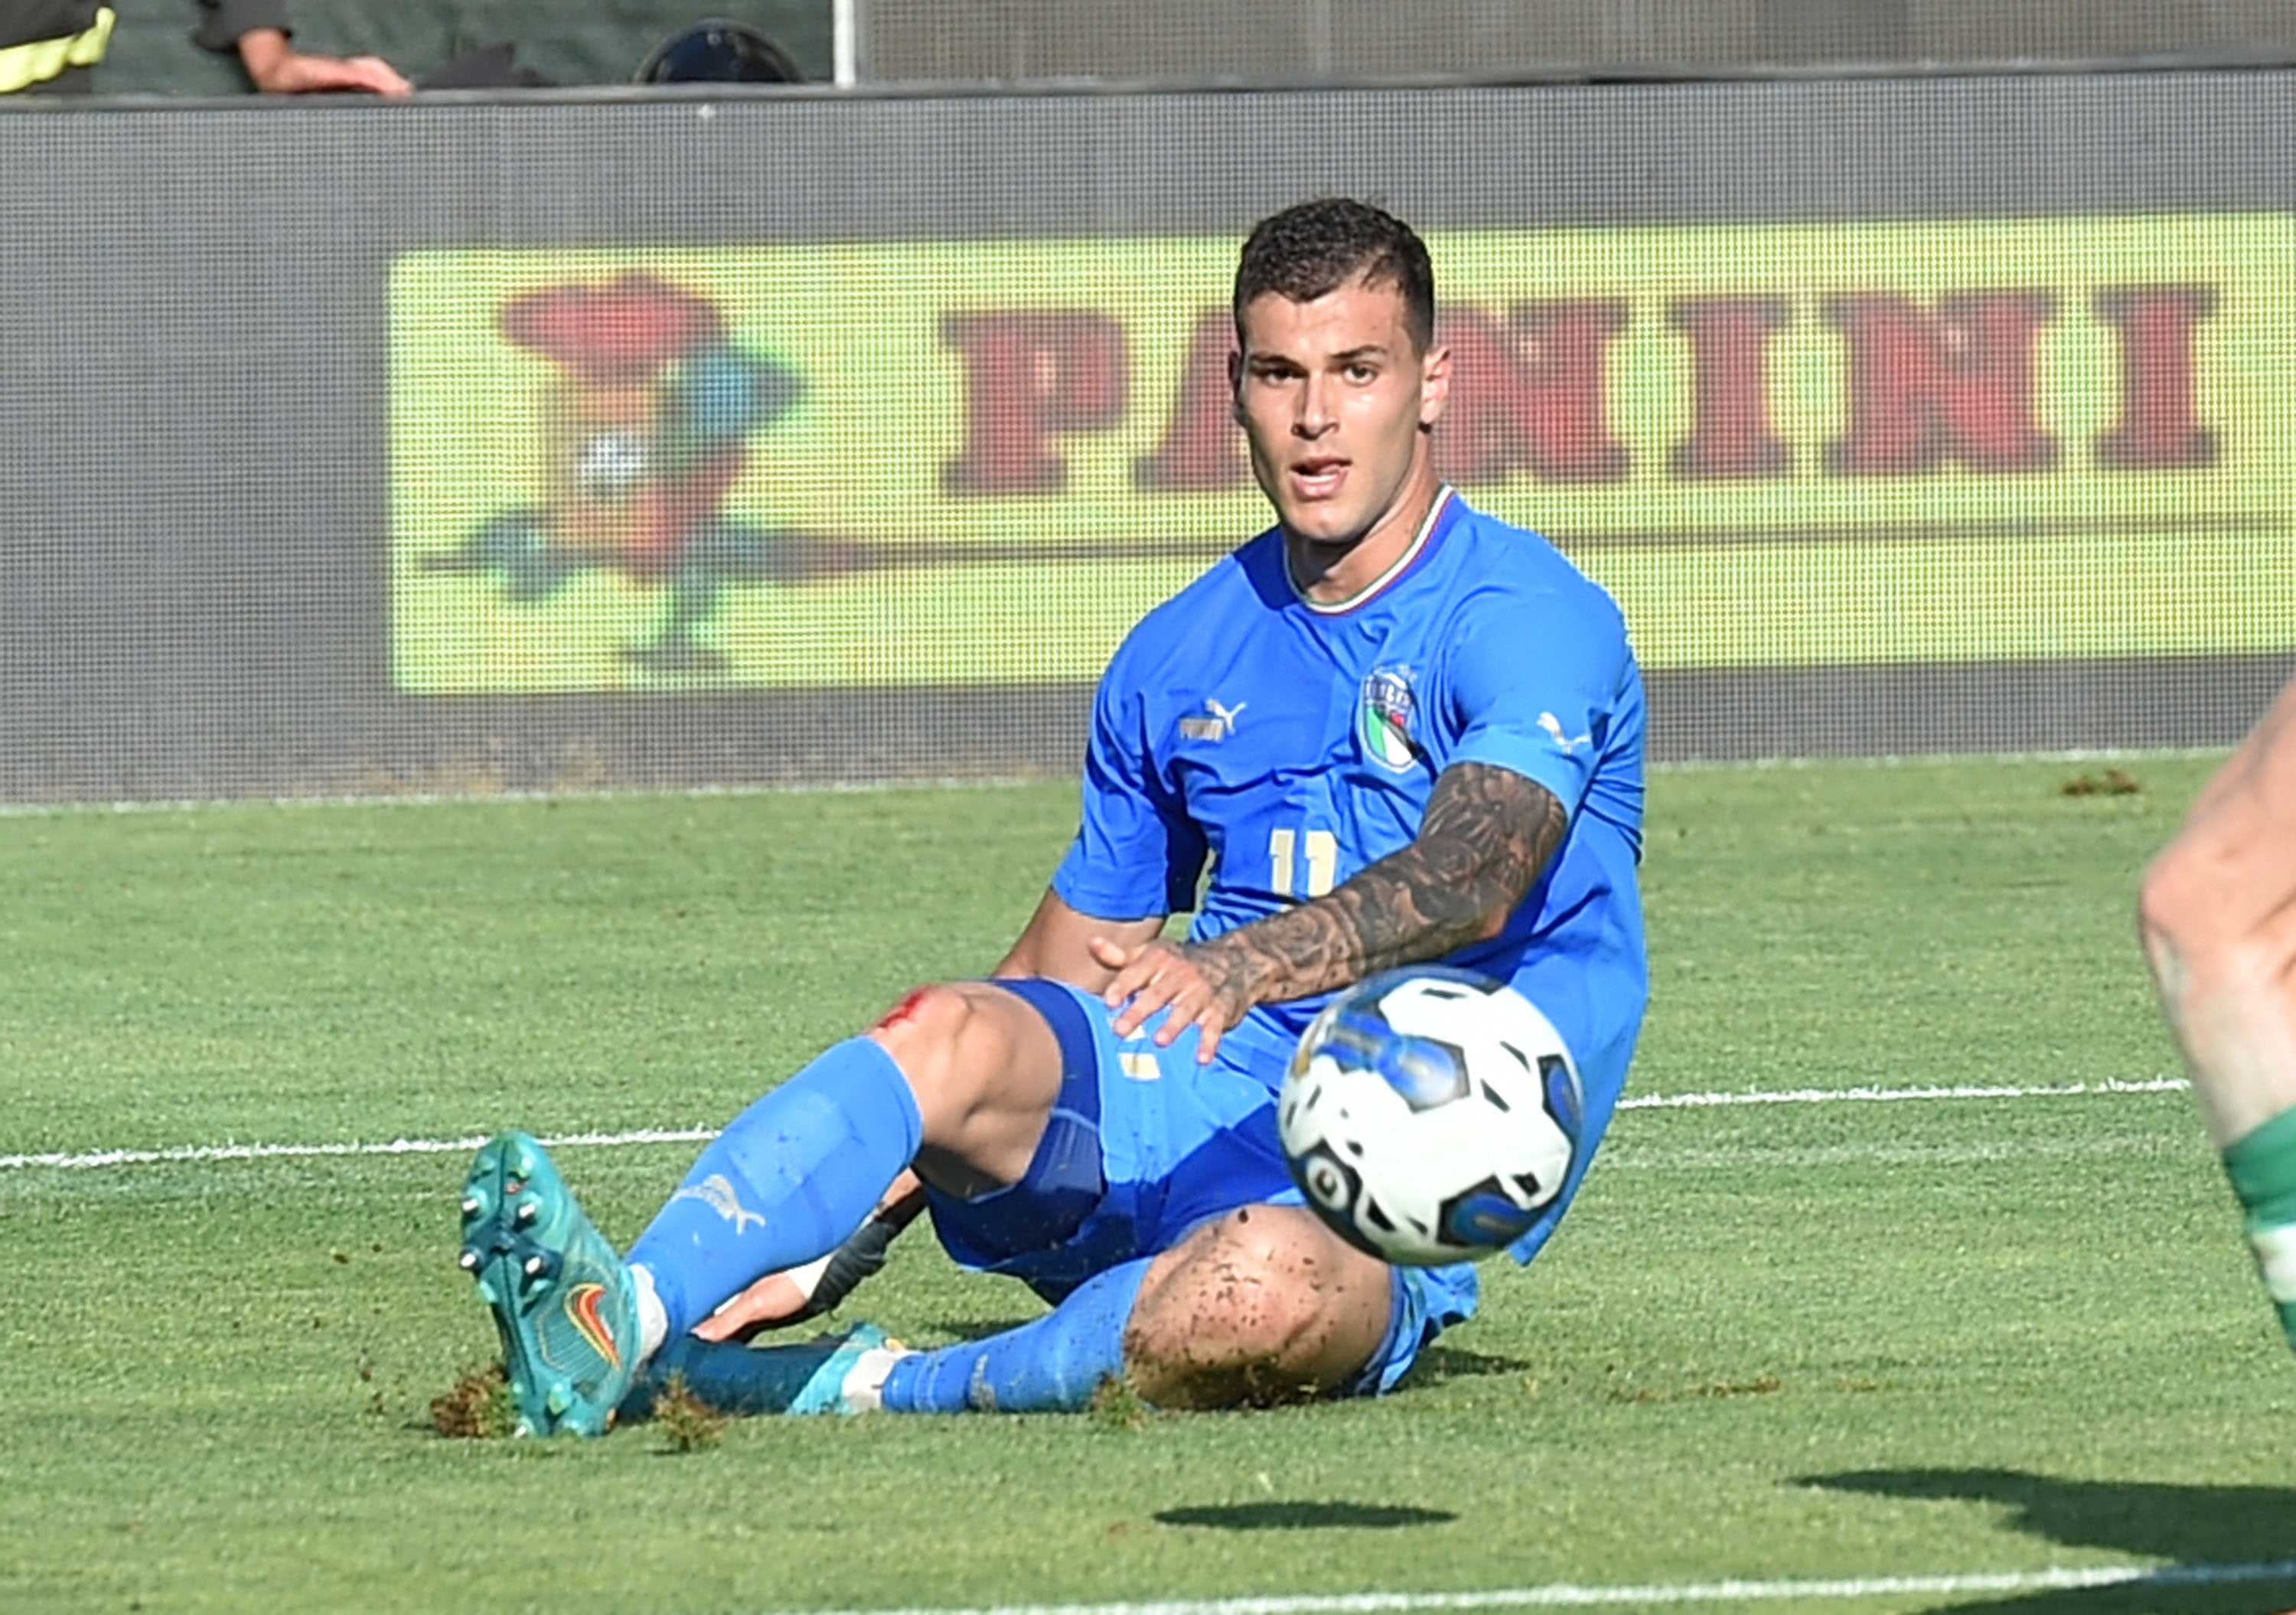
point(1261, 1305)
point(2217, 909)
point(1251, 1302)
point(1261, 1302)
point(1025, 1228)
point(1254, 1303)
point(959, 1078)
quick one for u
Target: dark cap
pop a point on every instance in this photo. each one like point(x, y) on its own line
point(717, 52)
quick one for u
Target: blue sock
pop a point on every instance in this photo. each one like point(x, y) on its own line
point(728, 1377)
point(1051, 1365)
point(786, 1181)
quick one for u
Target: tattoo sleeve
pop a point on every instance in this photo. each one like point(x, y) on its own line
point(1487, 834)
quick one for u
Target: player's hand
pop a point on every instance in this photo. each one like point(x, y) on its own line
point(773, 1301)
point(278, 69)
point(799, 1294)
point(1184, 982)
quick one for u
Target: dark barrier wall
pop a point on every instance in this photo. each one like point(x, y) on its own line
point(1256, 42)
point(569, 41)
point(555, 444)
point(1260, 41)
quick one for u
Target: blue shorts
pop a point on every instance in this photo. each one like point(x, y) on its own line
point(1143, 1146)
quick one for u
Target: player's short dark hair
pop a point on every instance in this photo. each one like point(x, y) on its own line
point(1312, 249)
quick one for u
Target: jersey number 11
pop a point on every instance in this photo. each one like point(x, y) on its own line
point(1322, 862)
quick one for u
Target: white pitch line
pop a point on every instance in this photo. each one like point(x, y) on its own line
point(2066, 1090)
point(181, 1154)
point(1576, 1596)
point(286, 1152)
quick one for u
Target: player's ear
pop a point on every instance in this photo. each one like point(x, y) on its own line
point(1434, 384)
point(1235, 384)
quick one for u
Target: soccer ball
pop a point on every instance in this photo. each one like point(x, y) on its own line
point(1429, 1114)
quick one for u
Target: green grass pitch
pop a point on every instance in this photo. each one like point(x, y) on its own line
point(1843, 1342)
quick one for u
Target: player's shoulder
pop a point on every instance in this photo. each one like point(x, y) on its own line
point(1211, 607)
point(1492, 557)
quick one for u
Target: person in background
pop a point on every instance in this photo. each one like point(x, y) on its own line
point(53, 48)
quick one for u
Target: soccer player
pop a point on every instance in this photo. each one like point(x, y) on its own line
point(1399, 731)
point(2217, 908)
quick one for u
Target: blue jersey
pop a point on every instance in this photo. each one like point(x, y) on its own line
point(1291, 743)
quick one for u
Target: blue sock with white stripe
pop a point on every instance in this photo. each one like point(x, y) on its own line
point(1052, 1365)
point(786, 1182)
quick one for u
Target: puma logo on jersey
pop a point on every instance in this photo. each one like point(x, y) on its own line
point(1218, 727)
point(1553, 726)
point(716, 1192)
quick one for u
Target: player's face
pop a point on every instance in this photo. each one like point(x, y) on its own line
point(1334, 398)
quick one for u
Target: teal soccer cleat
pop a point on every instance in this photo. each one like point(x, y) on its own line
point(823, 1391)
point(563, 1302)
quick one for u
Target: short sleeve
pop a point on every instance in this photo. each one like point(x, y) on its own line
point(1137, 854)
point(223, 22)
point(1535, 683)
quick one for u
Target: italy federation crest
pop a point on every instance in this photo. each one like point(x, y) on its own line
point(1383, 720)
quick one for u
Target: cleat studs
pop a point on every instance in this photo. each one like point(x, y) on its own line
point(469, 1260)
point(533, 1266)
point(560, 1399)
point(487, 1293)
point(526, 1212)
point(470, 1205)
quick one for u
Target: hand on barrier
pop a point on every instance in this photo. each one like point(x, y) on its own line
point(278, 69)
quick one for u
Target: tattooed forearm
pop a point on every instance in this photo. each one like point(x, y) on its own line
point(1487, 834)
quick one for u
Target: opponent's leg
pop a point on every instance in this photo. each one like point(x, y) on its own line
point(2217, 909)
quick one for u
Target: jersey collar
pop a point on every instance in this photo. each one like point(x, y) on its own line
point(1395, 570)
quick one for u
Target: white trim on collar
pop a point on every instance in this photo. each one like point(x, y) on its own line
point(1395, 567)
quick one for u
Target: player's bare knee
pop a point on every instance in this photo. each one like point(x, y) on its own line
point(984, 1068)
point(2168, 913)
point(1255, 1307)
point(931, 1036)
point(1256, 1263)
point(2207, 908)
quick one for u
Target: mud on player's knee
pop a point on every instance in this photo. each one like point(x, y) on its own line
point(1254, 1307)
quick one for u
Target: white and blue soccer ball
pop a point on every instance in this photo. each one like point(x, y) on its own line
point(1429, 1115)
